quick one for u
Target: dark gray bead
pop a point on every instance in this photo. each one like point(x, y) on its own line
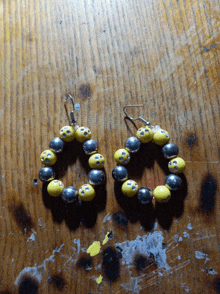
point(120, 173)
point(47, 174)
point(133, 144)
point(170, 150)
point(144, 195)
point(96, 177)
point(69, 194)
point(90, 147)
point(56, 145)
point(173, 182)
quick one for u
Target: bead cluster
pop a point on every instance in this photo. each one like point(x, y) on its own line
point(176, 165)
point(96, 162)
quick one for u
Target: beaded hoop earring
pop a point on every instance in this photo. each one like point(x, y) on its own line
point(170, 151)
point(49, 157)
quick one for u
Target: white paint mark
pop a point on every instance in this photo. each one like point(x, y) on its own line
point(211, 271)
point(189, 227)
point(155, 226)
point(40, 222)
point(200, 255)
point(204, 237)
point(107, 218)
point(12, 260)
point(150, 243)
point(77, 241)
point(176, 238)
point(98, 267)
point(37, 271)
point(185, 288)
point(180, 239)
point(71, 257)
point(84, 249)
point(185, 235)
point(31, 238)
point(179, 257)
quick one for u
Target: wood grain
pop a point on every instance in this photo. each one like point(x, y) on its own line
point(108, 54)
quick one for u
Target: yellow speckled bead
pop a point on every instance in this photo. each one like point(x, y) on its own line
point(145, 134)
point(161, 137)
point(162, 194)
point(55, 188)
point(83, 134)
point(86, 192)
point(48, 157)
point(122, 156)
point(176, 165)
point(67, 134)
point(129, 188)
point(96, 161)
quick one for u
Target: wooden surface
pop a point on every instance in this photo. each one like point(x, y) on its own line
point(108, 54)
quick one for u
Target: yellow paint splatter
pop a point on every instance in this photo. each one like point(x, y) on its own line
point(106, 239)
point(99, 279)
point(94, 249)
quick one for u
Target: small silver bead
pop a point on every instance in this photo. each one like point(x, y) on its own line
point(46, 174)
point(173, 182)
point(56, 145)
point(120, 173)
point(170, 150)
point(69, 194)
point(96, 177)
point(133, 144)
point(144, 195)
point(89, 147)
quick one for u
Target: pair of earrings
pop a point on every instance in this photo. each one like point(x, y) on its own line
point(122, 157)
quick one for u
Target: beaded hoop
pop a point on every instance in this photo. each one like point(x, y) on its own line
point(96, 162)
point(122, 157)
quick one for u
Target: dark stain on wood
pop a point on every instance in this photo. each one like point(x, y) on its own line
point(191, 140)
point(120, 219)
point(5, 292)
point(28, 286)
point(111, 264)
point(141, 261)
point(58, 282)
point(208, 192)
point(84, 263)
point(22, 218)
point(85, 90)
point(216, 284)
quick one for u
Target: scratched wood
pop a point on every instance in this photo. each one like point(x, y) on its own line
point(108, 54)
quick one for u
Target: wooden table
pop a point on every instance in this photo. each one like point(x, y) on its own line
point(108, 54)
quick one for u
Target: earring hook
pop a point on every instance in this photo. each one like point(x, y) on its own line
point(139, 117)
point(71, 112)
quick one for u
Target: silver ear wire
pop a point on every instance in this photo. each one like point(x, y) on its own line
point(73, 120)
point(139, 117)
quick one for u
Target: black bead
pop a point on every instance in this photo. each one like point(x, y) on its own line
point(133, 144)
point(170, 150)
point(46, 174)
point(96, 177)
point(69, 194)
point(56, 145)
point(89, 147)
point(120, 173)
point(173, 182)
point(144, 195)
